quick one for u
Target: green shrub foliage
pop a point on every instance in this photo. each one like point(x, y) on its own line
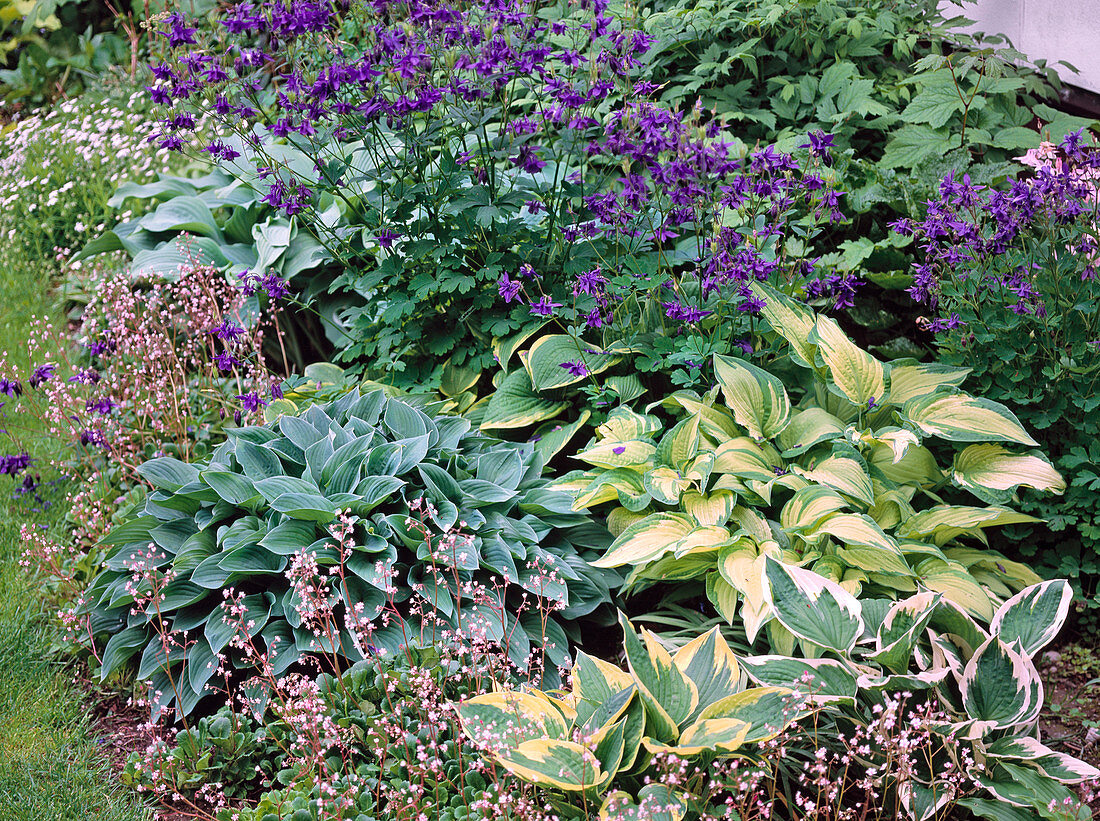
point(438, 530)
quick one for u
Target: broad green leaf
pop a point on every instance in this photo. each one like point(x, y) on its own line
point(812, 607)
point(721, 735)
point(516, 404)
point(963, 418)
point(166, 473)
point(1032, 618)
point(547, 357)
point(655, 803)
point(1000, 685)
point(992, 467)
point(911, 144)
point(822, 679)
point(857, 374)
point(511, 717)
point(1063, 767)
point(551, 437)
point(758, 400)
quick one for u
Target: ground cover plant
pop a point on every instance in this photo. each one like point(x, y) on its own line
point(341, 597)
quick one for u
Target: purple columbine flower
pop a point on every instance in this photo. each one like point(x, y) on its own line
point(11, 387)
point(276, 287)
point(528, 160)
point(226, 362)
point(250, 282)
point(85, 377)
point(509, 289)
point(577, 368)
point(43, 373)
point(819, 145)
point(179, 33)
point(251, 401)
point(386, 237)
point(544, 307)
point(91, 436)
point(227, 331)
point(276, 391)
point(14, 464)
point(102, 406)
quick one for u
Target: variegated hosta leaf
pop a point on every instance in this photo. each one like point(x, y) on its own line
point(742, 568)
point(820, 679)
point(1065, 768)
point(916, 468)
point(807, 428)
point(655, 803)
point(714, 421)
point(720, 735)
point(596, 680)
point(857, 374)
point(898, 440)
point(992, 467)
point(919, 379)
point(665, 485)
point(669, 695)
point(1032, 618)
point(944, 522)
point(632, 453)
point(714, 508)
point(709, 662)
point(757, 398)
point(812, 607)
point(501, 721)
point(809, 506)
point(548, 354)
point(680, 445)
point(646, 540)
point(957, 585)
point(1001, 685)
point(550, 762)
point(791, 320)
point(743, 457)
point(901, 629)
point(607, 486)
point(768, 711)
point(964, 418)
point(1027, 787)
point(723, 596)
point(922, 801)
point(843, 474)
point(624, 425)
point(619, 519)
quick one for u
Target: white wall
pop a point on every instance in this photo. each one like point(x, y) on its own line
point(1044, 29)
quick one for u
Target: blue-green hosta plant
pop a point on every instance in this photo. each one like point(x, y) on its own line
point(605, 730)
point(982, 681)
point(840, 479)
point(404, 527)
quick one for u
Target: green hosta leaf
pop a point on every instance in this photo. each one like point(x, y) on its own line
point(1032, 618)
point(991, 467)
point(551, 437)
point(963, 418)
point(709, 662)
point(182, 214)
point(1000, 685)
point(812, 607)
point(1064, 768)
point(516, 404)
point(822, 679)
point(857, 374)
point(232, 487)
point(166, 473)
point(917, 380)
point(548, 354)
point(1027, 787)
point(758, 400)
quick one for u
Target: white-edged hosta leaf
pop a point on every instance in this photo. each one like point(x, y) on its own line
point(1065, 768)
point(812, 607)
point(917, 467)
point(1033, 617)
point(791, 320)
point(516, 404)
point(991, 467)
point(723, 596)
point(1000, 685)
point(714, 508)
point(623, 425)
point(757, 398)
point(920, 379)
point(856, 529)
point(957, 585)
point(743, 457)
point(857, 374)
point(549, 354)
point(821, 679)
point(960, 417)
point(665, 484)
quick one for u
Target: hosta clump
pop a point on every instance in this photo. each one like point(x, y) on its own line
point(358, 528)
point(838, 480)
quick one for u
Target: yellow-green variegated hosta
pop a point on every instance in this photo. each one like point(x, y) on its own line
point(834, 475)
point(981, 679)
point(603, 732)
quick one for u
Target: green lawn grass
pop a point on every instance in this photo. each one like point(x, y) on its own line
point(50, 764)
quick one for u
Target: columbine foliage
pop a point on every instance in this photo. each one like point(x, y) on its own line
point(442, 531)
point(838, 479)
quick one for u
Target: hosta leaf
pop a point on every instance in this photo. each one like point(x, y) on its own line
point(548, 762)
point(623, 425)
point(944, 522)
point(812, 607)
point(843, 474)
point(1033, 617)
point(709, 662)
point(956, 585)
point(823, 679)
point(722, 735)
point(744, 457)
point(921, 379)
point(516, 404)
point(1063, 767)
point(166, 473)
point(963, 418)
point(768, 710)
point(611, 454)
point(857, 374)
point(647, 540)
point(548, 354)
point(758, 400)
point(807, 428)
point(1000, 685)
point(511, 717)
point(992, 467)
point(669, 695)
point(655, 803)
point(809, 506)
point(791, 320)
